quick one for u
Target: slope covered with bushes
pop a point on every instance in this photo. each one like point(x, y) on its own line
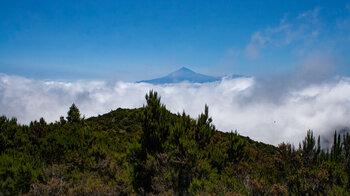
point(150, 151)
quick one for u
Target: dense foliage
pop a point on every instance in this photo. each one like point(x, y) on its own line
point(150, 151)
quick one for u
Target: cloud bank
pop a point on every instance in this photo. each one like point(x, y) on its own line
point(264, 112)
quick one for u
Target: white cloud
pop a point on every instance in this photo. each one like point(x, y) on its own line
point(303, 30)
point(311, 14)
point(258, 38)
point(233, 103)
point(252, 51)
point(257, 42)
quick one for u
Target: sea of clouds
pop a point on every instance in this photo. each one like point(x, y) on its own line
point(271, 111)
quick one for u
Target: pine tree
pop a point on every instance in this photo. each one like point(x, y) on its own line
point(73, 114)
point(204, 128)
point(310, 151)
point(155, 127)
point(155, 123)
point(237, 148)
point(337, 147)
point(346, 144)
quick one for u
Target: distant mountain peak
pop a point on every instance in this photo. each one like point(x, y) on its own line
point(185, 69)
point(182, 72)
point(181, 75)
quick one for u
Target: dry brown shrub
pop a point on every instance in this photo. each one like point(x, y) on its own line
point(278, 190)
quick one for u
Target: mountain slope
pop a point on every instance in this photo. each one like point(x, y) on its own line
point(150, 151)
point(181, 75)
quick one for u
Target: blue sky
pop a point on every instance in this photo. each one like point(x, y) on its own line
point(55, 53)
point(135, 40)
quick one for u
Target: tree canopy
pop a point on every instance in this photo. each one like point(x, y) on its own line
point(73, 115)
point(151, 151)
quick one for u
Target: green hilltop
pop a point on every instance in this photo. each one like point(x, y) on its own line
point(150, 151)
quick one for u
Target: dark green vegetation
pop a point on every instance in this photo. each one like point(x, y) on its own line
point(152, 151)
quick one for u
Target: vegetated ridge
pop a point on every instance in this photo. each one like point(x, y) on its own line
point(150, 151)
